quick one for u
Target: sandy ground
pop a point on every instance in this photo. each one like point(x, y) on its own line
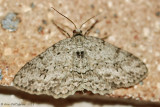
point(128, 24)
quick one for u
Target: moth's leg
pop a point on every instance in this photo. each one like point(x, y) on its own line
point(106, 37)
point(65, 26)
point(89, 30)
point(61, 30)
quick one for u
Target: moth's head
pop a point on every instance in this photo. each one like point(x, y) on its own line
point(77, 32)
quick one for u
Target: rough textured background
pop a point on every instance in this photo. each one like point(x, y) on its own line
point(129, 24)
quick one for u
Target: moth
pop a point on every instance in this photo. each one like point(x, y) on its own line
point(80, 63)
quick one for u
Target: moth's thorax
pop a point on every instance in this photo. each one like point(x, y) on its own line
point(80, 62)
point(78, 41)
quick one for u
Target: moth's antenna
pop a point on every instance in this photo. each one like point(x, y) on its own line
point(65, 17)
point(88, 20)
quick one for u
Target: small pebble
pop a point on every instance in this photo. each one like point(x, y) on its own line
point(44, 22)
point(92, 6)
point(112, 38)
point(158, 67)
point(97, 31)
point(7, 51)
point(158, 85)
point(134, 45)
point(146, 32)
point(141, 83)
point(110, 4)
point(32, 5)
point(115, 15)
point(40, 29)
point(10, 22)
point(158, 13)
point(1, 74)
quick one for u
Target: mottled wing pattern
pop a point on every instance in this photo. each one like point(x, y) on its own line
point(79, 63)
point(112, 67)
point(48, 73)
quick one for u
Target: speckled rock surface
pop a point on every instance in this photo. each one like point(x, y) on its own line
point(128, 24)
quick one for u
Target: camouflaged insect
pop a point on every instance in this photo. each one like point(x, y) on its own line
point(80, 63)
